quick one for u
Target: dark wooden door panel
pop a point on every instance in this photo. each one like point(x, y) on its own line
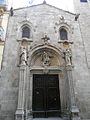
point(52, 100)
point(39, 99)
point(46, 98)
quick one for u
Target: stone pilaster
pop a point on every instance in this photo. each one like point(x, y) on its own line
point(31, 85)
point(74, 111)
point(28, 110)
point(21, 95)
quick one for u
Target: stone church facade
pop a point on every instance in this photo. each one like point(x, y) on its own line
point(45, 70)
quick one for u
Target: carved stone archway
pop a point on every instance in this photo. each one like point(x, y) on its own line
point(47, 59)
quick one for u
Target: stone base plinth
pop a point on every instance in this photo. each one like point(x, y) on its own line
point(74, 113)
point(19, 115)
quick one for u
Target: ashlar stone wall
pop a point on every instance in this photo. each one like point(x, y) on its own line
point(42, 19)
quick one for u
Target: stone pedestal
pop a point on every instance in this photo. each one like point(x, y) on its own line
point(21, 95)
point(19, 114)
point(74, 111)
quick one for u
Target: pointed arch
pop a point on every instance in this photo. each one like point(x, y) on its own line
point(25, 32)
point(63, 34)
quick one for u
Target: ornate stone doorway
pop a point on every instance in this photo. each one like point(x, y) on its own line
point(46, 96)
point(44, 62)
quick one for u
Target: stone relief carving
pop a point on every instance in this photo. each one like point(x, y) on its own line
point(45, 39)
point(68, 57)
point(45, 58)
point(77, 16)
point(23, 55)
point(62, 19)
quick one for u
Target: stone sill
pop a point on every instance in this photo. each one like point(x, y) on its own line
point(26, 39)
point(65, 41)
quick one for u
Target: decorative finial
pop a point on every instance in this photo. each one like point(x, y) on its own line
point(11, 11)
point(45, 38)
point(76, 17)
point(44, 2)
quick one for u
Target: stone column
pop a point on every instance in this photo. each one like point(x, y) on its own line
point(74, 111)
point(31, 85)
point(27, 94)
point(21, 95)
point(28, 111)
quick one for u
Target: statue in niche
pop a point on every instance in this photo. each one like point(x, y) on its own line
point(23, 56)
point(68, 57)
point(45, 57)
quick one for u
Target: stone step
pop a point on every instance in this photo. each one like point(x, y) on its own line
point(45, 119)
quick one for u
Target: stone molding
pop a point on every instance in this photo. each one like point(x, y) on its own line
point(65, 41)
point(25, 39)
point(19, 115)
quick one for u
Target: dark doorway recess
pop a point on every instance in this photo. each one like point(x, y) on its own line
point(46, 97)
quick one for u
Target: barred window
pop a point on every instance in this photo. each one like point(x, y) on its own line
point(63, 34)
point(25, 32)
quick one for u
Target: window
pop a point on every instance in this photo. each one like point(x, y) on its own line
point(26, 32)
point(83, 0)
point(63, 34)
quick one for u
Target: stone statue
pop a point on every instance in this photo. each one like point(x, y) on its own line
point(68, 56)
point(46, 58)
point(11, 11)
point(76, 17)
point(62, 19)
point(23, 55)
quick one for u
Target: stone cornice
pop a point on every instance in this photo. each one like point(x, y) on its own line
point(65, 41)
point(47, 68)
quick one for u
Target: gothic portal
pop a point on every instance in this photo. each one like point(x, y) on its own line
point(45, 66)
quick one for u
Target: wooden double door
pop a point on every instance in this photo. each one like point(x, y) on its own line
point(46, 97)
